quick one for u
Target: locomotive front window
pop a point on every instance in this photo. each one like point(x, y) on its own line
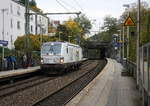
point(54, 49)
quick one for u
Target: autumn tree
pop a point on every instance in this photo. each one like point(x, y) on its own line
point(73, 29)
point(32, 4)
point(34, 42)
point(68, 31)
point(84, 23)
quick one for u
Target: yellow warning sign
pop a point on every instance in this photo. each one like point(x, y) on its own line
point(129, 22)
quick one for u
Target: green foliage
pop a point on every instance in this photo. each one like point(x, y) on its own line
point(33, 3)
point(145, 28)
point(69, 31)
point(84, 23)
point(22, 1)
point(62, 32)
point(7, 51)
point(74, 29)
point(109, 28)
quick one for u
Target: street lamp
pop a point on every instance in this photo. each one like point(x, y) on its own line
point(3, 33)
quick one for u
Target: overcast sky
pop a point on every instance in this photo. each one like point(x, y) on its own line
point(94, 9)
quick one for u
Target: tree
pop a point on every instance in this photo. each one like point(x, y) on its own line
point(73, 28)
point(145, 26)
point(62, 32)
point(33, 3)
point(22, 1)
point(84, 23)
point(34, 42)
point(68, 31)
point(109, 28)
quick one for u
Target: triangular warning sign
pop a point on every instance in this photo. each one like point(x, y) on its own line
point(129, 22)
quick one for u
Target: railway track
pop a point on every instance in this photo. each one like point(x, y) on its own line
point(32, 90)
point(64, 95)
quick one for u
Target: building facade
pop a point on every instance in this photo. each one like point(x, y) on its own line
point(12, 22)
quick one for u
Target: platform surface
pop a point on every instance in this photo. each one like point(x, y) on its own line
point(10, 73)
point(109, 88)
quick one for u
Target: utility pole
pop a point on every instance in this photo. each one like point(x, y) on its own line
point(27, 31)
point(138, 41)
point(79, 42)
point(123, 42)
point(27, 19)
point(128, 36)
point(3, 34)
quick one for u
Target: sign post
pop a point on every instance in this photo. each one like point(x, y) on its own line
point(128, 22)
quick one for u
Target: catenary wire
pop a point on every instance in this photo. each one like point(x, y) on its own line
point(62, 5)
point(67, 4)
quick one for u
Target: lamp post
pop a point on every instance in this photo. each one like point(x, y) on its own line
point(128, 29)
point(3, 33)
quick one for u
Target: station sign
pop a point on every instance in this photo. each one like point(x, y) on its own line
point(129, 22)
point(117, 44)
point(3, 42)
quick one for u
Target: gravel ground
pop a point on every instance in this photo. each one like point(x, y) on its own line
point(31, 95)
point(64, 95)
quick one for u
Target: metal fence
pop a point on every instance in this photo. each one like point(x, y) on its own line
point(131, 67)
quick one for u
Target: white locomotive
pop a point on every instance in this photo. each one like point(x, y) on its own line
point(60, 56)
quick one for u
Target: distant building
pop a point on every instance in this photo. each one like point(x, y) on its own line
point(14, 22)
point(53, 27)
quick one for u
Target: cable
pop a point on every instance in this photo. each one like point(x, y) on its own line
point(69, 5)
point(78, 5)
point(62, 5)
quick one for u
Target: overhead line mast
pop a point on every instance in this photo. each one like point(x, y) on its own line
point(27, 19)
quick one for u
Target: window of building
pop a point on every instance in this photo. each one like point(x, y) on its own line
point(18, 24)
point(31, 28)
point(31, 18)
point(11, 39)
point(18, 11)
point(11, 23)
point(11, 8)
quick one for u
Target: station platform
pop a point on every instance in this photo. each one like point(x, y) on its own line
point(17, 72)
point(109, 88)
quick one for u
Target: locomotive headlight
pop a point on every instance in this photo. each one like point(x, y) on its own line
point(61, 60)
point(42, 61)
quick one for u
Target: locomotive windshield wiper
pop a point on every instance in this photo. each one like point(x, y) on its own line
point(51, 49)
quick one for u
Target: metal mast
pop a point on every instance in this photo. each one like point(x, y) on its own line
point(138, 41)
point(27, 19)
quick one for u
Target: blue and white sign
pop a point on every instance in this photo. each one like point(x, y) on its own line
point(117, 44)
point(3, 42)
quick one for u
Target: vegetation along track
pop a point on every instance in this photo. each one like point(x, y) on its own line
point(32, 91)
